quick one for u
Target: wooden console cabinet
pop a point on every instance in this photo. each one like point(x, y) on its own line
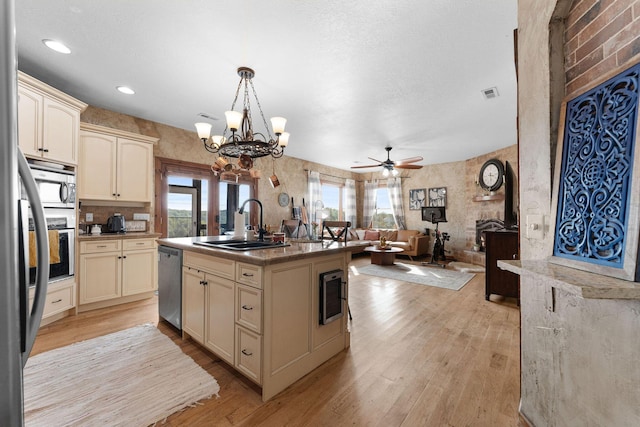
point(501, 245)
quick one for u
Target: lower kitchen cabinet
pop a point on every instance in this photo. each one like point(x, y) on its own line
point(60, 299)
point(208, 311)
point(112, 269)
point(221, 314)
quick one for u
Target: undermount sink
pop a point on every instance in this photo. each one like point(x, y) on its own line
point(240, 245)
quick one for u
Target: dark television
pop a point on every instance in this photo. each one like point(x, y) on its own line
point(510, 198)
point(434, 214)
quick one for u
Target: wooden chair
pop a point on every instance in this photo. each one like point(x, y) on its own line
point(337, 229)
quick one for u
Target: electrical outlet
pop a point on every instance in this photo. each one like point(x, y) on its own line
point(141, 216)
point(535, 227)
point(88, 217)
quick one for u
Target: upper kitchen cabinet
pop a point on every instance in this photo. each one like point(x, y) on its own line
point(114, 165)
point(48, 121)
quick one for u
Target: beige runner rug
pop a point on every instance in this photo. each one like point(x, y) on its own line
point(133, 377)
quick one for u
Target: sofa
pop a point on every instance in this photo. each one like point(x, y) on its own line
point(413, 242)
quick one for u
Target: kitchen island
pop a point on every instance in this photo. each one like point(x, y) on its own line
point(259, 310)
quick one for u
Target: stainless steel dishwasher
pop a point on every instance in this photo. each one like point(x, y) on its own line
point(170, 285)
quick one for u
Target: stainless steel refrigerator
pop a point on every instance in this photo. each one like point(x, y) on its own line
point(18, 322)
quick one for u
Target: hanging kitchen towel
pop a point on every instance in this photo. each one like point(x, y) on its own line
point(54, 248)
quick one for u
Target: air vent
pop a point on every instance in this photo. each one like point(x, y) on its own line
point(490, 93)
point(207, 116)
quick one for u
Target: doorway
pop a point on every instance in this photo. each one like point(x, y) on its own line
point(183, 214)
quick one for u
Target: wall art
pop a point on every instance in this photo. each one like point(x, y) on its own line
point(438, 196)
point(417, 199)
point(596, 190)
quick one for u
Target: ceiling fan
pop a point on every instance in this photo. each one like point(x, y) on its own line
point(390, 166)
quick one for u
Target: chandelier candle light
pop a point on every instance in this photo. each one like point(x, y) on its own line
point(244, 143)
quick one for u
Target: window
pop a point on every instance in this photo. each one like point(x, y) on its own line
point(231, 196)
point(187, 203)
point(332, 200)
point(383, 216)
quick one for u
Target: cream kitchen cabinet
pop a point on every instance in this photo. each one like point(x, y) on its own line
point(112, 269)
point(48, 122)
point(208, 304)
point(60, 300)
point(277, 336)
point(114, 165)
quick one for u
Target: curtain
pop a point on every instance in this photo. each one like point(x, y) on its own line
point(369, 206)
point(394, 187)
point(350, 201)
point(315, 197)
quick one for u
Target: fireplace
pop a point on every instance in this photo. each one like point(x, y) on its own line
point(484, 225)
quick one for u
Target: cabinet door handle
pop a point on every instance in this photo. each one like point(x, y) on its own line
point(113, 194)
point(46, 150)
point(119, 257)
point(247, 274)
point(247, 307)
point(247, 353)
point(124, 256)
point(40, 149)
point(56, 301)
point(101, 246)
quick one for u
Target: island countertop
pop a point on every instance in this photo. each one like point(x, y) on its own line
point(294, 251)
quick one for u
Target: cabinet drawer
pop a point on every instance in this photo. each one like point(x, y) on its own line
point(100, 246)
point(217, 266)
point(249, 275)
point(249, 307)
point(59, 300)
point(249, 354)
point(133, 244)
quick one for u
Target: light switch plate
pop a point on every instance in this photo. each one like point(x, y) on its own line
point(141, 216)
point(535, 227)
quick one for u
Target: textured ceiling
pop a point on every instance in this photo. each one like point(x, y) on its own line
point(350, 77)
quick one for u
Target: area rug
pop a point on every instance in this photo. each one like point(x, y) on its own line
point(430, 276)
point(133, 377)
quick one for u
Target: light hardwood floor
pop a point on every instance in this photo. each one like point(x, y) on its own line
point(419, 356)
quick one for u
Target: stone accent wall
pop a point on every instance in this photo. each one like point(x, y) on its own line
point(565, 379)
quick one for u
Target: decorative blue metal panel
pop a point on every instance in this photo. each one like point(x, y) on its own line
point(596, 172)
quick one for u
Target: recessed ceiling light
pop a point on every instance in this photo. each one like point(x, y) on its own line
point(57, 46)
point(126, 90)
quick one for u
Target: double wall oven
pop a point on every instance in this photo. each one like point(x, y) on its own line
point(57, 190)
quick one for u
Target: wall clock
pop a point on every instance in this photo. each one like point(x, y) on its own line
point(283, 199)
point(492, 175)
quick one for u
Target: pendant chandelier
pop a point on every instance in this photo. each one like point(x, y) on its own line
point(244, 143)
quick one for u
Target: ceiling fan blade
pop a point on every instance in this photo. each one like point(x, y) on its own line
point(365, 166)
point(410, 160)
point(408, 166)
point(375, 160)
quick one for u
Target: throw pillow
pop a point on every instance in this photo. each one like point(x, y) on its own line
point(371, 235)
point(403, 235)
point(360, 234)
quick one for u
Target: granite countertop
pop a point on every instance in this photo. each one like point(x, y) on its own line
point(108, 236)
point(581, 283)
point(295, 250)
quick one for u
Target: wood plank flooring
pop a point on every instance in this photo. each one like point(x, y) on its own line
point(419, 356)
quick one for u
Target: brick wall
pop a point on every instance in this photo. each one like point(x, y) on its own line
point(600, 35)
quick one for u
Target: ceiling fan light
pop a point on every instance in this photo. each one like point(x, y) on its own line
point(394, 172)
point(385, 172)
point(204, 130)
point(278, 124)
